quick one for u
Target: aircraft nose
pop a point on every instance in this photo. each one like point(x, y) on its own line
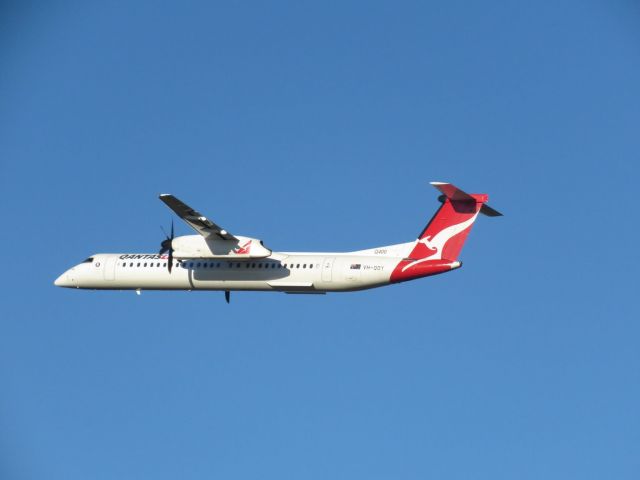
point(64, 280)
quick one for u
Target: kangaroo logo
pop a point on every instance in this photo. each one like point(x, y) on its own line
point(436, 243)
point(243, 250)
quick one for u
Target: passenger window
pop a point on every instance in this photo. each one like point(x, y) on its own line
point(298, 266)
point(311, 265)
point(138, 264)
point(304, 266)
point(145, 264)
point(131, 264)
point(164, 264)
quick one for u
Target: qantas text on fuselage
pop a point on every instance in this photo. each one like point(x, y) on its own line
point(214, 259)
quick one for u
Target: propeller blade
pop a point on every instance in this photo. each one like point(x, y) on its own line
point(166, 246)
point(227, 295)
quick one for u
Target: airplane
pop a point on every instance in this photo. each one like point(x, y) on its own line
point(215, 259)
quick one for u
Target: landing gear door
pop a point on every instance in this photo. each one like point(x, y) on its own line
point(327, 269)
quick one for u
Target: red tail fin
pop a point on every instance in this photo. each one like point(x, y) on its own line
point(438, 246)
point(445, 234)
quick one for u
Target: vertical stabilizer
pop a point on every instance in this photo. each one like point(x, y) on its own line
point(446, 232)
point(438, 246)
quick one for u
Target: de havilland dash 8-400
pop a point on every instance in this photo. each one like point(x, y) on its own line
point(214, 259)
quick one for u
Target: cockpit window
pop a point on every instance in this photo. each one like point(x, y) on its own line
point(88, 260)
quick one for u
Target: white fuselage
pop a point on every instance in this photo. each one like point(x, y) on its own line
point(288, 272)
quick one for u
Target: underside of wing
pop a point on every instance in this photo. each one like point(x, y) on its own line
point(195, 219)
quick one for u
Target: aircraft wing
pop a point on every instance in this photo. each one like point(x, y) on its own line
point(196, 220)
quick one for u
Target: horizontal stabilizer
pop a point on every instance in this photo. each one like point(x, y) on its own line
point(454, 194)
point(489, 212)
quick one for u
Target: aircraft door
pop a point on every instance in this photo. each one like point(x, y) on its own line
point(327, 269)
point(109, 268)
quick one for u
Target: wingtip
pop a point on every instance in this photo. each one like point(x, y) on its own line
point(439, 183)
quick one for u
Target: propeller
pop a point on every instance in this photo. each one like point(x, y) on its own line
point(166, 246)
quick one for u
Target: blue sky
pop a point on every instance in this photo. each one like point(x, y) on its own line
point(317, 127)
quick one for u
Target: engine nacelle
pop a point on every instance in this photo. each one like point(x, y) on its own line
point(196, 246)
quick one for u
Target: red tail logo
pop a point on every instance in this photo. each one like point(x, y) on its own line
point(438, 246)
point(435, 240)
